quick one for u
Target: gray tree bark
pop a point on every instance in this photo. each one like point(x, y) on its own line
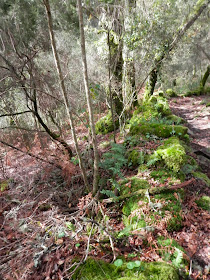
point(63, 90)
point(89, 101)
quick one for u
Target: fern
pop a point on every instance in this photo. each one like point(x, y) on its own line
point(113, 162)
point(178, 254)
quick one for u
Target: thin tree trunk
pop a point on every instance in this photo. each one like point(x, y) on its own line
point(63, 90)
point(113, 111)
point(89, 102)
point(205, 77)
point(128, 75)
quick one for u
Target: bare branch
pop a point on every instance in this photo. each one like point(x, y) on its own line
point(15, 114)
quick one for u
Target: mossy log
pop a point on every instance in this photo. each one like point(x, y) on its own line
point(156, 190)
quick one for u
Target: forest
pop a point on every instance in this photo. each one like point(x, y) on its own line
point(104, 139)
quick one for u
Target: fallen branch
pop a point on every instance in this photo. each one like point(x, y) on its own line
point(156, 190)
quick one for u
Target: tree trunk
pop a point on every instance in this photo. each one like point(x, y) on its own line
point(128, 77)
point(63, 90)
point(205, 77)
point(89, 101)
point(113, 111)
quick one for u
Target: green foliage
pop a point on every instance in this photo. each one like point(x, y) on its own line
point(112, 162)
point(172, 153)
point(177, 256)
point(131, 141)
point(158, 103)
point(135, 158)
point(118, 262)
point(198, 91)
point(190, 166)
point(75, 160)
point(136, 270)
point(204, 202)
point(105, 124)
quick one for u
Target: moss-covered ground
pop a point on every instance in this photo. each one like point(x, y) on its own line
point(99, 270)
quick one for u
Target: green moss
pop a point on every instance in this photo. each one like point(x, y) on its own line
point(159, 103)
point(100, 270)
point(133, 185)
point(162, 174)
point(105, 124)
point(170, 93)
point(172, 153)
point(203, 177)
point(199, 91)
point(135, 158)
point(142, 168)
point(4, 185)
point(160, 130)
point(204, 202)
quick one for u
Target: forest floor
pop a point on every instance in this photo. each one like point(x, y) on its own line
point(43, 212)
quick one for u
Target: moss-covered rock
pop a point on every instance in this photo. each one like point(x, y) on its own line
point(100, 270)
point(163, 174)
point(160, 130)
point(204, 202)
point(159, 103)
point(172, 153)
point(105, 124)
point(203, 177)
point(197, 92)
point(170, 93)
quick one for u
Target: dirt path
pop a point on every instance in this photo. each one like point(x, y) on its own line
point(197, 117)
